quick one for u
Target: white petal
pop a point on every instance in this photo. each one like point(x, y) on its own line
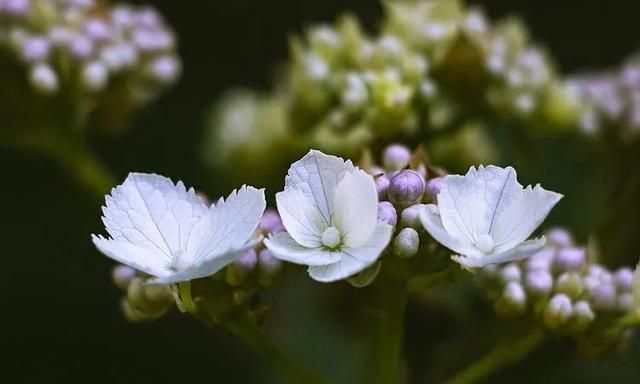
point(356, 208)
point(150, 211)
point(207, 267)
point(138, 257)
point(284, 247)
point(355, 260)
point(431, 221)
point(228, 227)
point(520, 214)
point(300, 217)
point(317, 176)
point(520, 252)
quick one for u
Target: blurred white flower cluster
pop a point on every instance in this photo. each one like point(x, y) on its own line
point(89, 45)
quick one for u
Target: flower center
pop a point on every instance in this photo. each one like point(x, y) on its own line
point(485, 244)
point(331, 237)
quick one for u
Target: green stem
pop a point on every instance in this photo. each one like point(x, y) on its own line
point(276, 358)
point(420, 283)
point(72, 155)
point(383, 357)
point(502, 356)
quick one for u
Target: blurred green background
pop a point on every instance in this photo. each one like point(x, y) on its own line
point(60, 320)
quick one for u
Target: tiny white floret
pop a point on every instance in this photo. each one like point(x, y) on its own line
point(486, 216)
point(329, 209)
point(168, 232)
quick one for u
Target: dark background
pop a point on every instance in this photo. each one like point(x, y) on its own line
point(59, 315)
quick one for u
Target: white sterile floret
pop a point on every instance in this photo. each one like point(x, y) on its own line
point(486, 216)
point(167, 231)
point(329, 210)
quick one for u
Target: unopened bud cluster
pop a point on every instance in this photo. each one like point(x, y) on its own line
point(563, 290)
point(614, 101)
point(430, 68)
point(88, 46)
point(215, 296)
point(404, 184)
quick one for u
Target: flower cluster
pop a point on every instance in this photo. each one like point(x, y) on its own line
point(87, 46)
point(433, 67)
point(566, 292)
point(614, 100)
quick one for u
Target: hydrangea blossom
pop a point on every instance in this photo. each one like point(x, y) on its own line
point(486, 216)
point(167, 231)
point(329, 210)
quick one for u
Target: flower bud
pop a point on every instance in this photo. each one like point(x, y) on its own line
point(603, 296)
point(365, 277)
point(166, 69)
point(382, 186)
point(510, 272)
point(16, 7)
point(582, 315)
point(95, 76)
point(268, 262)
point(271, 221)
point(570, 259)
point(387, 213)
point(433, 187)
point(406, 188)
point(512, 301)
point(558, 311)
point(538, 281)
point(44, 79)
point(541, 260)
point(623, 279)
point(35, 49)
point(81, 47)
point(559, 237)
point(514, 295)
point(410, 216)
point(625, 302)
point(407, 242)
point(570, 284)
point(248, 261)
point(396, 157)
point(122, 275)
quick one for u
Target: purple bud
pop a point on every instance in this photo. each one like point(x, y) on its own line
point(510, 272)
point(624, 278)
point(148, 17)
point(95, 76)
point(375, 171)
point(97, 29)
point(35, 48)
point(539, 281)
point(570, 259)
point(407, 243)
point(268, 262)
point(81, 47)
point(16, 7)
point(433, 187)
point(382, 186)
point(583, 314)
point(514, 295)
point(603, 296)
point(541, 260)
point(165, 68)
point(396, 157)
point(271, 221)
point(248, 261)
point(559, 237)
point(558, 311)
point(387, 213)
point(44, 79)
point(406, 188)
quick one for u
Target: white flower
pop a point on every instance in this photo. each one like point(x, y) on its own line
point(486, 216)
point(329, 210)
point(168, 232)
